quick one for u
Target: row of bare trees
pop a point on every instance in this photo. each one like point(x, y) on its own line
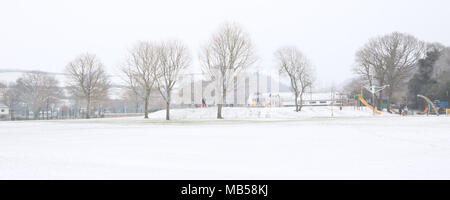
point(155, 66)
point(229, 52)
point(158, 66)
point(40, 92)
point(37, 91)
point(150, 65)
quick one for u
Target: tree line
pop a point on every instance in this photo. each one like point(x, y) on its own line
point(432, 77)
point(40, 93)
point(157, 66)
point(406, 65)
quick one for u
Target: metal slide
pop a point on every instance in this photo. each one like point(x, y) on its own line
point(429, 103)
point(368, 105)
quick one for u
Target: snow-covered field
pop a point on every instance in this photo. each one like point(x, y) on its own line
point(257, 143)
point(273, 113)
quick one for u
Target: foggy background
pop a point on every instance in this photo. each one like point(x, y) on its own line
point(46, 35)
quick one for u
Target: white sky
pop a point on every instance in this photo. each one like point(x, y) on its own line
point(46, 35)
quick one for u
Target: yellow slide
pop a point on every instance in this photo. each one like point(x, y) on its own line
point(424, 112)
point(394, 111)
point(368, 105)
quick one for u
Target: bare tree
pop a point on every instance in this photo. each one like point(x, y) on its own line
point(3, 88)
point(133, 95)
point(52, 94)
point(299, 70)
point(11, 98)
point(389, 60)
point(132, 98)
point(87, 79)
point(229, 52)
point(100, 99)
point(174, 57)
point(38, 90)
point(370, 66)
point(402, 52)
point(140, 70)
point(353, 87)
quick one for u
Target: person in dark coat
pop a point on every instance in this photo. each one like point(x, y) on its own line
point(203, 102)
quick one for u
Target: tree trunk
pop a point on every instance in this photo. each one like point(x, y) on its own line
point(37, 114)
point(167, 111)
point(219, 111)
point(147, 99)
point(378, 101)
point(47, 111)
point(168, 106)
point(296, 102)
point(219, 107)
point(389, 97)
point(379, 98)
point(88, 107)
point(301, 103)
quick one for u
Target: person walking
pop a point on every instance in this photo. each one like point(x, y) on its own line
point(203, 102)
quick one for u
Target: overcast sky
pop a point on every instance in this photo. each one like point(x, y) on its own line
point(46, 35)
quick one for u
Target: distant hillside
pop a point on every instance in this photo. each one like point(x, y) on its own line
point(11, 75)
point(13, 70)
point(24, 71)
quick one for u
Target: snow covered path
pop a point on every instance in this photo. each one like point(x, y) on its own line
point(388, 147)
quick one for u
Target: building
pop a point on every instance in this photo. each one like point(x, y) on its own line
point(264, 100)
point(324, 99)
point(287, 99)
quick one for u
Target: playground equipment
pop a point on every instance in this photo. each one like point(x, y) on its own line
point(373, 89)
point(369, 106)
point(403, 112)
point(394, 111)
point(424, 112)
point(435, 109)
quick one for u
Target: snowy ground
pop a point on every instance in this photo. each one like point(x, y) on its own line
point(263, 114)
point(250, 144)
